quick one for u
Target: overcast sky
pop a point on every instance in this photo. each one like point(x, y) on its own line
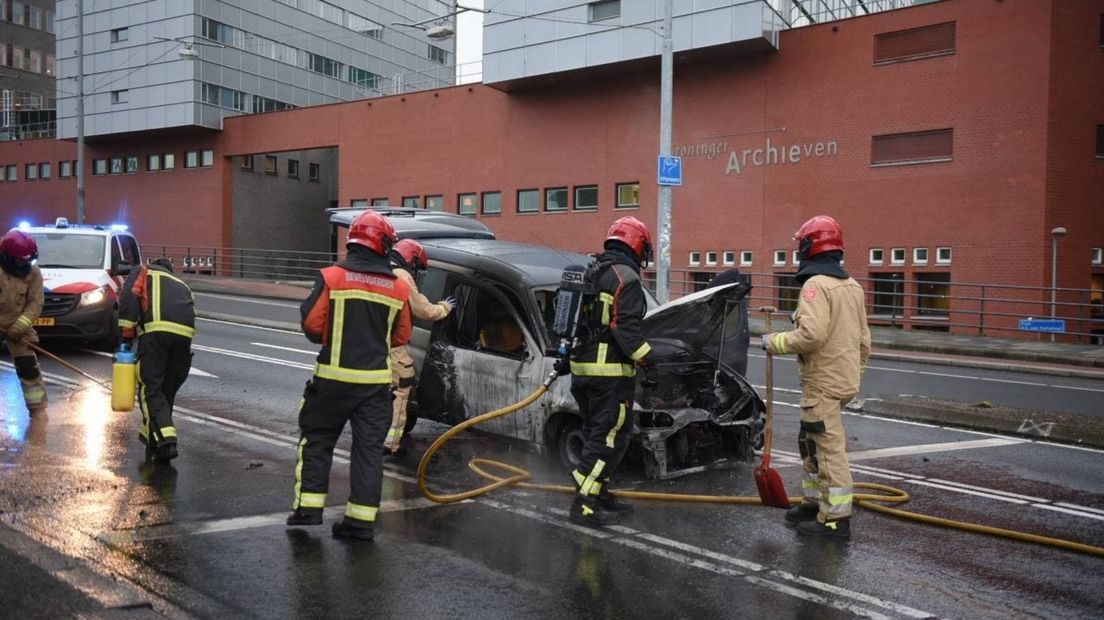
point(469, 41)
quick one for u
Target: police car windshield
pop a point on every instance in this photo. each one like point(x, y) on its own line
point(69, 250)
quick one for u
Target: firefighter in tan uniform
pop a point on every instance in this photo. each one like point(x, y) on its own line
point(832, 343)
point(408, 258)
point(21, 300)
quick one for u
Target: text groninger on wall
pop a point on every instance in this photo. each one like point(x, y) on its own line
point(772, 154)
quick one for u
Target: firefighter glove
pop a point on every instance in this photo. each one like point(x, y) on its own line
point(651, 376)
point(450, 301)
point(763, 341)
point(17, 331)
point(562, 366)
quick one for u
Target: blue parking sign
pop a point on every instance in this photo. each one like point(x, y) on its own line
point(669, 169)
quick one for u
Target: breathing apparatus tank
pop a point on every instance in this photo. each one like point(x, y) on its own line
point(569, 304)
point(122, 379)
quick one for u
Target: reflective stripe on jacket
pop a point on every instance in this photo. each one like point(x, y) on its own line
point(357, 317)
point(154, 300)
point(618, 319)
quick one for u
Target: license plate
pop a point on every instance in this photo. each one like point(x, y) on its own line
point(44, 321)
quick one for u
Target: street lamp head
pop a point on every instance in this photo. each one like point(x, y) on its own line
point(188, 53)
point(440, 32)
point(1058, 232)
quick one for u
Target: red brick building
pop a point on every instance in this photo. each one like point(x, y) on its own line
point(949, 139)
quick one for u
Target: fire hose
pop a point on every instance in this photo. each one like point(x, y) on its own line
point(872, 501)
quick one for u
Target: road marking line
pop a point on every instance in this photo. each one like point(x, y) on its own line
point(253, 357)
point(1005, 493)
point(248, 300)
point(274, 346)
point(191, 370)
point(1075, 506)
point(945, 487)
point(1078, 512)
point(267, 329)
point(931, 448)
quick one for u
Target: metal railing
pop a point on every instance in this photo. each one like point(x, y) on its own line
point(247, 263)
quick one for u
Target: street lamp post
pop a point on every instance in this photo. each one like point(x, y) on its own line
point(80, 111)
point(663, 215)
point(1054, 235)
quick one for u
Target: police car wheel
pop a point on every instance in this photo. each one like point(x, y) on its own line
point(569, 441)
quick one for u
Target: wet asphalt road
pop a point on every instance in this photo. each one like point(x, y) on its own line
point(206, 538)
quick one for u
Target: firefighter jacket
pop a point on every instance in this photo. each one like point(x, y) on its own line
point(831, 337)
point(154, 300)
point(614, 322)
point(357, 311)
point(420, 306)
point(20, 299)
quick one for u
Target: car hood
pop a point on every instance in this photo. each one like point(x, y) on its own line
point(694, 323)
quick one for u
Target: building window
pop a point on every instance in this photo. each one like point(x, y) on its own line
point(359, 203)
point(466, 204)
point(780, 258)
point(118, 35)
point(877, 256)
point(795, 258)
point(628, 195)
point(131, 163)
point(942, 256)
point(65, 169)
point(919, 256)
point(914, 44)
point(381, 201)
point(586, 197)
point(933, 292)
point(293, 168)
point(247, 162)
point(788, 289)
point(116, 165)
point(44, 170)
point(270, 164)
point(30, 172)
point(153, 162)
point(168, 161)
point(921, 147)
point(314, 172)
point(1100, 141)
point(437, 54)
point(13, 174)
point(1098, 256)
point(897, 256)
point(607, 9)
point(528, 200)
point(364, 26)
point(711, 259)
point(492, 203)
point(889, 294)
point(555, 199)
point(207, 158)
point(745, 258)
point(695, 259)
point(99, 167)
point(729, 258)
point(191, 159)
point(120, 96)
point(435, 202)
point(412, 202)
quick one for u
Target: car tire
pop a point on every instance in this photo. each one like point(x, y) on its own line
point(569, 440)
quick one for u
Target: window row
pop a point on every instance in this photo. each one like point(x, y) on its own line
point(550, 199)
point(238, 100)
point(155, 162)
point(919, 256)
point(26, 59)
point(272, 163)
point(28, 15)
point(728, 258)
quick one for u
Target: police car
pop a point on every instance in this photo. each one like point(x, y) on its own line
point(83, 268)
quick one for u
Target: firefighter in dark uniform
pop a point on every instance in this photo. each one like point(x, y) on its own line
point(159, 309)
point(21, 300)
point(603, 369)
point(357, 311)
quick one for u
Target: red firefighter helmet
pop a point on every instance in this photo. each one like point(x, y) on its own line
point(373, 231)
point(818, 235)
point(633, 233)
point(19, 246)
point(412, 253)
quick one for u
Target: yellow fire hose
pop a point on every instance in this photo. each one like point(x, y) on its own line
point(518, 477)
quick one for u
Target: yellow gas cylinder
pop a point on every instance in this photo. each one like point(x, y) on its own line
point(122, 379)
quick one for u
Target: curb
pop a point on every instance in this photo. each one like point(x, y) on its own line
point(1075, 372)
point(1077, 430)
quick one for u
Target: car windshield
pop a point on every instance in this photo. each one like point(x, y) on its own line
point(68, 250)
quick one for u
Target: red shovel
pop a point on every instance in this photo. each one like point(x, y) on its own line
point(771, 490)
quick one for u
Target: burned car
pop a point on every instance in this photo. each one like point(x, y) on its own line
point(499, 344)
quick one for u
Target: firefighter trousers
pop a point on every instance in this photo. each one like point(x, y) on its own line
point(30, 375)
point(402, 380)
point(823, 447)
point(607, 409)
point(164, 360)
point(327, 405)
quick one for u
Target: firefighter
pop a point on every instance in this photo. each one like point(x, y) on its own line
point(357, 311)
point(158, 308)
point(408, 259)
point(21, 302)
point(603, 369)
point(832, 343)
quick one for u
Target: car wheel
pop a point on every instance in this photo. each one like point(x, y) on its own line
point(569, 441)
point(411, 420)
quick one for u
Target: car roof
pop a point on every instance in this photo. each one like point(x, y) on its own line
point(96, 230)
point(519, 265)
point(418, 223)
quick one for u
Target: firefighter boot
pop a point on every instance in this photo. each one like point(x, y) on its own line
point(802, 512)
point(343, 529)
point(305, 516)
point(612, 503)
point(840, 528)
point(589, 511)
point(165, 452)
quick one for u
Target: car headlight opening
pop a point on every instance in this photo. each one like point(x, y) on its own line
point(93, 297)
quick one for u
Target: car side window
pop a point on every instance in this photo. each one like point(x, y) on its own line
point(431, 283)
point(116, 253)
point(483, 320)
point(131, 254)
